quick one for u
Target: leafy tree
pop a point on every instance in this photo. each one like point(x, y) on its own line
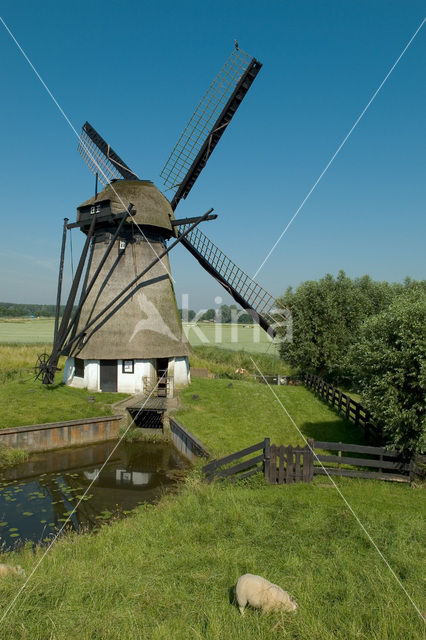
point(187, 314)
point(15, 310)
point(245, 318)
point(389, 364)
point(224, 314)
point(210, 314)
point(326, 317)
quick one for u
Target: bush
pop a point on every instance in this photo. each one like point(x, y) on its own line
point(389, 364)
point(327, 316)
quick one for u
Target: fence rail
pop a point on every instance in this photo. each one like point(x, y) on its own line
point(289, 464)
point(388, 464)
point(345, 405)
point(249, 467)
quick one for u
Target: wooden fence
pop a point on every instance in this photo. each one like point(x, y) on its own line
point(241, 470)
point(290, 464)
point(376, 462)
point(345, 405)
point(279, 464)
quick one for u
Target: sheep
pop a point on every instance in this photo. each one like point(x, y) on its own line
point(262, 594)
point(7, 569)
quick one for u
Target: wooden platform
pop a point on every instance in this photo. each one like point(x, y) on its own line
point(150, 404)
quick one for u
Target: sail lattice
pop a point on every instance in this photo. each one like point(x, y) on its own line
point(241, 286)
point(203, 119)
point(96, 160)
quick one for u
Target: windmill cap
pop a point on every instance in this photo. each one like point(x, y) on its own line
point(150, 206)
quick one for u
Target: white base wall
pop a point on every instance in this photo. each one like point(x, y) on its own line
point(133, 382)
point(91, 375)
point(181, 374)
point(127, 382)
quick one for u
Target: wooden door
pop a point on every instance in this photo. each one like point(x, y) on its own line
point(108, 376)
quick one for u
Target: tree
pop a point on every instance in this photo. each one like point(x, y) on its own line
point(326, 318)
point(245, 318)
point(389, 364)
point(224, 314)
point(187, 314)
point(210, 314)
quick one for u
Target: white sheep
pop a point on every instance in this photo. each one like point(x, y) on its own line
point(262, 594)
point(7, 569)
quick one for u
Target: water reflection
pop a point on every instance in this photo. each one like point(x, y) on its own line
point(38, 496)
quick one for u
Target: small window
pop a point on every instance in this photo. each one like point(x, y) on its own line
point(79, 367)
point(128, 366)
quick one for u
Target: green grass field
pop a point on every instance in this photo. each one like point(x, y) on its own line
point(166, 571)
point(26, 330)
point(228, 418)
point(24, 400)
point(235, 337)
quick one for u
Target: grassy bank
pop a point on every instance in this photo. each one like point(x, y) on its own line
point(166, 571)
point(9, 456)
point(227, 418)
point(25, 401)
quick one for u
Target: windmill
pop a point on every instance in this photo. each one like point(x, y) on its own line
point(125, 333)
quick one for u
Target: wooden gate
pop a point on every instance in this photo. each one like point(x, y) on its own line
point(290, 464)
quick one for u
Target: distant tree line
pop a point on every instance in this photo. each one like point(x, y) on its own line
point(225, 315)
point(14, 310)
point(370, 336)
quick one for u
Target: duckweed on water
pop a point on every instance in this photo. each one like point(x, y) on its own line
point(41, 505)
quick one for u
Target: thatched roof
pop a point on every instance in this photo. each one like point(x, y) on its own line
point(151, 207)
point(146, 322)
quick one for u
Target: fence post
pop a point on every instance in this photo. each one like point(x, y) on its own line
point(290, 465)
point(339, 406)
point(348, 407)
point(412, 471)
point(311, 459)
point(357, 414)
point(266, 457)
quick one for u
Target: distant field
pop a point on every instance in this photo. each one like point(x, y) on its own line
point(26, 330)
point(228, 336)
point(231, 336)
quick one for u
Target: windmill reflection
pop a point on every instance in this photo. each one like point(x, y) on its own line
point(71, 489)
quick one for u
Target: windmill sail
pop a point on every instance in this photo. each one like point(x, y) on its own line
point(208, 123)
point(101, 159)
point(246, 292)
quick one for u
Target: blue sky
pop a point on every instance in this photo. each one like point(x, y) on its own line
point(136, 71)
